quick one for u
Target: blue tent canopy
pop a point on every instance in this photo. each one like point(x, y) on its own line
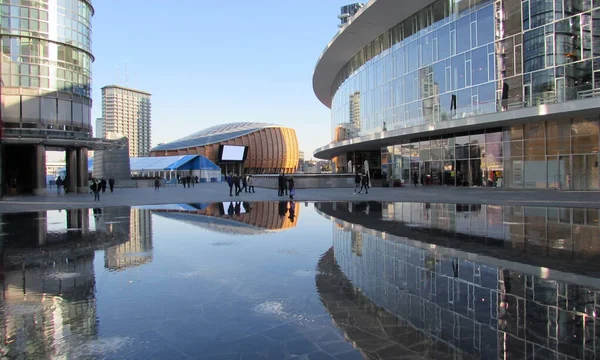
point(165, 163)
point(160, 163)
point(184, 162)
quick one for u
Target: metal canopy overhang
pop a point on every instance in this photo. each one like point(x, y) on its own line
point(371, 21)
point(61, 143)
point(376, 141)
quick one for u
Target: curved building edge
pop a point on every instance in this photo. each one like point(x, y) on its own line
point(374, 18)
point(271, 149)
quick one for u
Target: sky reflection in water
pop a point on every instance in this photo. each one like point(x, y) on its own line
point(252, 280)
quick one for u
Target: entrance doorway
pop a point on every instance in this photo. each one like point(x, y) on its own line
point(577, 172)
point(585, 172)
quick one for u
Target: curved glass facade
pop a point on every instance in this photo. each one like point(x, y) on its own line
point(46, 48)
point(448, 62)
point(460, 60)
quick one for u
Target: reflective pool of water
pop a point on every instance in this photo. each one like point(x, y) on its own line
point(277, 280)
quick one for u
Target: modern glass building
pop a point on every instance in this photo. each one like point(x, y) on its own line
point(46, 90)
point(467, 93)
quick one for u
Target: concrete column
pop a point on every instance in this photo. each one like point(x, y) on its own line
point(42, 228)
point(84, 215)
point(72, 170)
point(39, 171)
point(82, 170)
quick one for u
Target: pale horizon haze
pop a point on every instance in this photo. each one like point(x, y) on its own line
point(221, 62)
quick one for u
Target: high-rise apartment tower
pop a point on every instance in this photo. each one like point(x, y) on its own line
point(128, 112)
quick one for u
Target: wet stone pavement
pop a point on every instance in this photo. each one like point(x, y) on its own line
point(295, 280)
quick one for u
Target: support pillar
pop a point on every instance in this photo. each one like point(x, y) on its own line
point(39, 171)
point(72, 171)
point(84, 215)
point(41, 224)
point(82, 170)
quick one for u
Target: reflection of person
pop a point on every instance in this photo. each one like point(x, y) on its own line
point(292, 211)
point(247, 207)
point(230, 209)
point(282, 208)
point(238, 208)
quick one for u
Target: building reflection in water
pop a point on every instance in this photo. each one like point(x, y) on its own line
point(462, 305)
point(238, 218)
point(47, 307)
point(137, 250)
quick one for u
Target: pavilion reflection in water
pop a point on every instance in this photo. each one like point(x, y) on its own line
point(462, 306)
point(48, 283)
point(238, 218)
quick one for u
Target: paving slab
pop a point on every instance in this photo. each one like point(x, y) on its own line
point(219, 192)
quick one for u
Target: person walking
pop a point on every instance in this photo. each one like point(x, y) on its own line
point(111, 184)
point(292, 189)
point(415, 178)
point(250, 184)
point(230, 183)
point(157, 184)
point(244, 184)
point(59, 184)
point(236, 183)
point(280, 185)
point(357, 181)
point(103, 185)
point(95, 187)
point(365, 184)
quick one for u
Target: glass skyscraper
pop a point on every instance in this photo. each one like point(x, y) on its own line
point(467, 93)
point(46, 92)
point(46, 64)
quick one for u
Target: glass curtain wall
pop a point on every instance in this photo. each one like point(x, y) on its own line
point(560, 154)
point(511, 54)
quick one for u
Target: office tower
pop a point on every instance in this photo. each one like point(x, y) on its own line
point(128, 112)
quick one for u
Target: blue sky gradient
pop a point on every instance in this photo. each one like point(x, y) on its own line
point(212, 62)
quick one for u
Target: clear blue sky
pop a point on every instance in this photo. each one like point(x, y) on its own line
point(212, 62)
